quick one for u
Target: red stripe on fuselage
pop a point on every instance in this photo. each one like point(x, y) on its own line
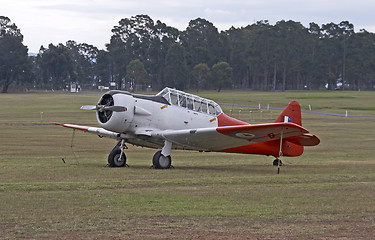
point(225, 120)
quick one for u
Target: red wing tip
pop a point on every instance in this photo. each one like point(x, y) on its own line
point(79, 127)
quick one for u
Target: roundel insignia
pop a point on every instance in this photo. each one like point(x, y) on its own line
point(244, 135)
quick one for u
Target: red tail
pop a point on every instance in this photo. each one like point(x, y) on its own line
point(292, 113)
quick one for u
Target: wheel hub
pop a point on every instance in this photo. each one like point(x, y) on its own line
point(163, 161)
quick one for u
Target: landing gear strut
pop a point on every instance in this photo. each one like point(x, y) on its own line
point(117, 157)
point(277, 162)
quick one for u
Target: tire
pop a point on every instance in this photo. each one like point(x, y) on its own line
point(159, 161)
point(113, 158)
point(275, 163)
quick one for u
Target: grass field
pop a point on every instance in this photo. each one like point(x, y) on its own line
point(327, 193)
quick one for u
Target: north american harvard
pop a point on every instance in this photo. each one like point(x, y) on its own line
point(174, 119)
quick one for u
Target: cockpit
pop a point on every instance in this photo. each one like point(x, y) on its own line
point(190, 101)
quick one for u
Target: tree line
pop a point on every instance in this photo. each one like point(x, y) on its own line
point(141, 52)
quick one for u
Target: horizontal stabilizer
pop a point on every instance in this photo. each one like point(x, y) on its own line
point(304, 140)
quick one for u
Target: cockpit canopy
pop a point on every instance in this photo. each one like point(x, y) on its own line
point(190, 101)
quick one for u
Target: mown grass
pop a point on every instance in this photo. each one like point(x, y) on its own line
point(327, 192)
point(356, 103)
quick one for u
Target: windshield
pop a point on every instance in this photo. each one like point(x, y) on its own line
point(190, 101)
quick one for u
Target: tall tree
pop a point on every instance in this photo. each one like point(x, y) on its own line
point(103, 68)
point(289, 52)
point(202, 42)
point(136, 73)
point(56, 66)
point(176, 71)
point(139, 37)
point(222, 74)
point(237, 42)
point(200, 74)
point(7, 28)
point(163, 37)
point(14, 63)
point(361, 61)
point(334, 46)
point(259, 53)
point(84, 57)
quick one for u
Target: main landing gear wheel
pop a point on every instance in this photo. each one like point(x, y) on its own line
point(114, 159)
point(160, 161)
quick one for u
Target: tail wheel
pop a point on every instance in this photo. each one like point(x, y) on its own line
point(276, 162)
point(114, 159)
point(160, 161)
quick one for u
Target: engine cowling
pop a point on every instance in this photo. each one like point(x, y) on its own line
point(116, 121)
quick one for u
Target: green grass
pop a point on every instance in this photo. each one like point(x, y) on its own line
point(357, 103)
point(329, 192)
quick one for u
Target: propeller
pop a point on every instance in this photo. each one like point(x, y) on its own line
point(102, 108)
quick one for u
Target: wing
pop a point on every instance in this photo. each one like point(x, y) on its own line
point(213, 139)
point(101, 132)
point(220, 138)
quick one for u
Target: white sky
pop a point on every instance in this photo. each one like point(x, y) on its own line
point(90, 21)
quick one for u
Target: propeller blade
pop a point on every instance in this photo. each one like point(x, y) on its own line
point(115, 108)
point(89, 107)
point(104, 108)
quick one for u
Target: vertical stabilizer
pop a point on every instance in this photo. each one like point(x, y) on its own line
point(292, 113)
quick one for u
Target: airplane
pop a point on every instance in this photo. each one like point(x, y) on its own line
point(173, 119)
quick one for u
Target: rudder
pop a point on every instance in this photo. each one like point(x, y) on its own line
point(292, 113)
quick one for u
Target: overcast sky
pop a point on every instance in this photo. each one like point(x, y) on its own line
point(90, 21)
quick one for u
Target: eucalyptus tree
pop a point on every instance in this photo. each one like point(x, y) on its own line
point(313, 64)
point(176, 70)
point(103, 68)
point(136, 73)
point(140, 38)
point(334, 48)
point(200, 75)
point(237, 56)
point(289, 53)
point(258, 50)
point(360, 67)
point(56, 67)
point(84, 57)
point(222, 74)
point(15, 66)
point(130, 40)
point(202, 42)
point(163, 37)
